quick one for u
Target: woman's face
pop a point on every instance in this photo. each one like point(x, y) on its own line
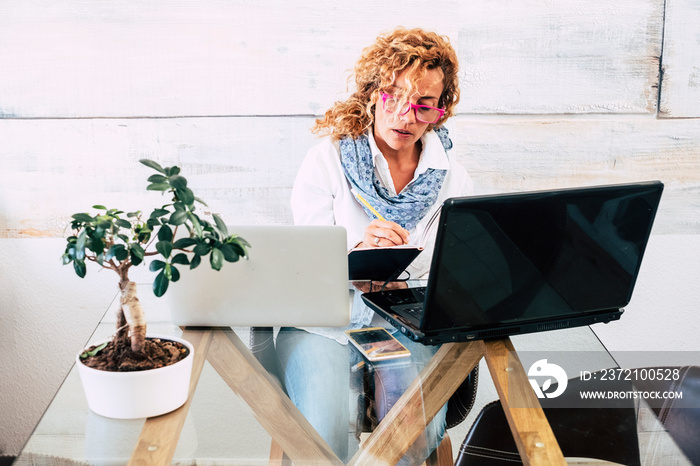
point(400, 133)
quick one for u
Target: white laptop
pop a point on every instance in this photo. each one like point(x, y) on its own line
point(295, 276)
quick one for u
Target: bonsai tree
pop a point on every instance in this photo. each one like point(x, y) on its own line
point(117, 241)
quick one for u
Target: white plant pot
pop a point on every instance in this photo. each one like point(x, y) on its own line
point(138, 394)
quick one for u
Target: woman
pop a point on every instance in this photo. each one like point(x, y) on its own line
point(385, 145)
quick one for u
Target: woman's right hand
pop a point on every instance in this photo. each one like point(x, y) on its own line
point(383, 233)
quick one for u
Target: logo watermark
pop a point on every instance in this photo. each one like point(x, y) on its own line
point(592, 379)
point(550, 372)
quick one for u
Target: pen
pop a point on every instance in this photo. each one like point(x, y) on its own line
point(372, 209)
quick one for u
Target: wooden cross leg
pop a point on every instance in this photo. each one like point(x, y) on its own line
point(395, 434)
point(439, 380)
point(531, 430)
point(159, 436)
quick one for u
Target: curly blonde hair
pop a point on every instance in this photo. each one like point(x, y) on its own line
point(414, 50)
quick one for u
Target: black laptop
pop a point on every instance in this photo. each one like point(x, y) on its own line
point(527, 262)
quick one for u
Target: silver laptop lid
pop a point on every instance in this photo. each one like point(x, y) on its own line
point(295, 276)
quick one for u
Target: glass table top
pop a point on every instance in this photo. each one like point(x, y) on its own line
point(220, 427)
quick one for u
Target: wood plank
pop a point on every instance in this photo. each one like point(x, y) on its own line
point(245, 167)
point(291, 57)
point(216, 58)
point(680, 84)
point(508, 154)
point(271, 406)
point(531, 431)
point(539, 57)
point(160, 435)
point(418, 405)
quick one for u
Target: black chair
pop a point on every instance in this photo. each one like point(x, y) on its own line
point(263, 347)
point(606, 430)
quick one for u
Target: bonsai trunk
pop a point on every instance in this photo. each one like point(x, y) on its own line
point(130, 312)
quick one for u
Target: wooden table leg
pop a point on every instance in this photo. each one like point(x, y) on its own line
point(159, 436)
point(418, 405)
point(531, 430)
point(271, 406)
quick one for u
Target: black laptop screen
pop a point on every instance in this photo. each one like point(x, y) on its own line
point(534, 256)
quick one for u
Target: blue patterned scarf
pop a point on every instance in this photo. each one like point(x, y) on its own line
point(410, 205)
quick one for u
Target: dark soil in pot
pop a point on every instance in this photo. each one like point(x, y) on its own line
point(118, 356)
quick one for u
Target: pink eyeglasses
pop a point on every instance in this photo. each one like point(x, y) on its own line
point(423, 113)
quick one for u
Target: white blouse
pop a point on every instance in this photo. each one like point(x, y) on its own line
point(322, 196)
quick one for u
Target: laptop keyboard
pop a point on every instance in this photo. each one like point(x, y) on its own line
point(405, 296)
point(407, 302)
point(415, 310)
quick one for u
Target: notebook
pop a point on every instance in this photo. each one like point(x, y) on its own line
point(527, 262)
point(295, 276)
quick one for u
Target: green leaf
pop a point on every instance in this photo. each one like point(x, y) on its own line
point(152, 164)
point(165, 233)
point(216, 259)
point(83, 218)
point(104, 223)
point(178, 182)
point(144, 235)
point(97, 349)
point(158, 179)
point(79, 267)
point(80, 244)
point(235, 239)
point(135, 260)
point(195, 223)
point(220, 224)
point(171, 171)
point(137, 250)
point(160, 284)
point(117, 251)
point(164, 248)
point(183, 243)
point(174, 274)
point(133, 214)
point(95, 244)
point(65, 259)
point(194, 263)
point(200, 201)
point(185, 195)
point(230, 253)
point(180, 259)
point(123, 223)
point(202, 249)
point(158, 187)
point(178, 217)
point(159, 213)
point(156, 265)
point(151, 223)
point(99, 207)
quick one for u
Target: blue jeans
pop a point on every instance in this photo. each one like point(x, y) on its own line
point(318, 376)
